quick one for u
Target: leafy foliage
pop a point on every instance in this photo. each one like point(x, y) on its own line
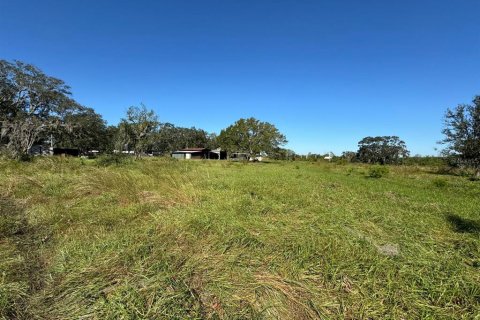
point(136, 131)
point(251, 136)
point(35, 107)
point(349, 156)
point(85, 131)
point(462, 133)
point(383, 150)
point(31, 105)
point(282, 154)
point(170, 138)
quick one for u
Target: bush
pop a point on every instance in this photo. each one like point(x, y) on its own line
point(377, 171)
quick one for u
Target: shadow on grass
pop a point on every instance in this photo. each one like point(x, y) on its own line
point(460, 224)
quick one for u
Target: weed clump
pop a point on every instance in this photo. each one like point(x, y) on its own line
point(377, 171)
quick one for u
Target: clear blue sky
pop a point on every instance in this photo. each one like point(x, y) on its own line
point(326, 73)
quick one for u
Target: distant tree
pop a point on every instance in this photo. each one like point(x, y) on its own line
point(282, 154)
point(165, 140)
point(136, 132)
point(212, 142)
point(462, 134)
point(170, 138)
point(111, 132)
point(193, 137)
point(32, 104)
point(85, 130)
point(251, 136)
point(383, 150)
point(350, 156)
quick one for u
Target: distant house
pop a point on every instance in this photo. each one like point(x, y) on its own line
point(199, 153)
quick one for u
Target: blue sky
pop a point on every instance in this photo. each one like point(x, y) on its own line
point(326, 73)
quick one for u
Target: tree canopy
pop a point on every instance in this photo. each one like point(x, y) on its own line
point(383, 150)
point(37, 109)
point(32, 106)
point(170, 138)
point(84, 131)
point(462, 133)
point(137, 130)
point(251, 136)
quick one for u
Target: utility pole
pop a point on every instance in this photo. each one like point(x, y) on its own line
point(51, 144)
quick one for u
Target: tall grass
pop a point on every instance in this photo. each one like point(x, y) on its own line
point(185, 239)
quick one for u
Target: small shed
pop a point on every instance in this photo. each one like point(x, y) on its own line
point(191, 153)
point(200, 153)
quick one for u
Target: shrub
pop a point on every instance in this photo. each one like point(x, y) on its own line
point(377, 171)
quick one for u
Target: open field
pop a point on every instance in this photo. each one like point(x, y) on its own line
point(168, 239)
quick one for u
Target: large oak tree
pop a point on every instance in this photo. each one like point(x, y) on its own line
point(383, 150)
point(34, 107)
point(251, 136)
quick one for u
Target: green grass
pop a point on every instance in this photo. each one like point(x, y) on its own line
point(157, 239)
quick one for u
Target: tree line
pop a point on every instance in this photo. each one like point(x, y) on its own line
point(461, 130)
point(39, 109)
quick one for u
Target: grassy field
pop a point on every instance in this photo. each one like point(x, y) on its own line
point(158, 239)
